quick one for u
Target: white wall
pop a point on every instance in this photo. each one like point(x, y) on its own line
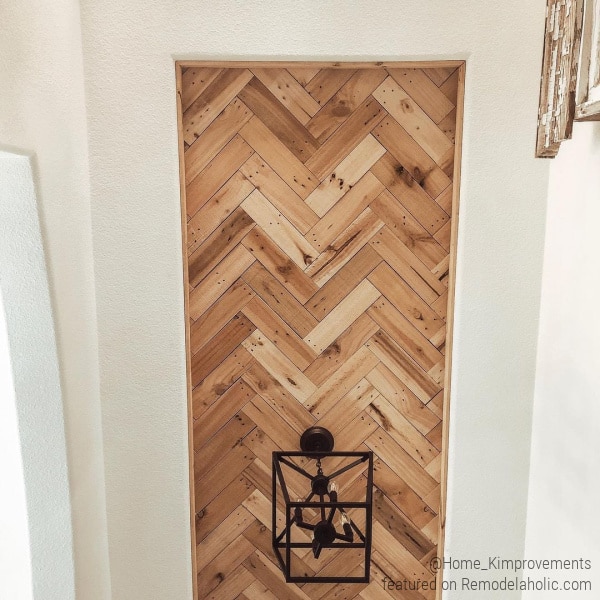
point(564, 492)
point(42, 112)
point(129, 49)
point(15, 556)
point(34, 438)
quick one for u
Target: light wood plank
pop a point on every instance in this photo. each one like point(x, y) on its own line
point(289, 92)
point(345, 175)
point(408, 114)
point(342, 316)
point(279, 157)
point(279, 229)
point(218, 281)
point(213, 100)
point(279, 366)
point(258, 172)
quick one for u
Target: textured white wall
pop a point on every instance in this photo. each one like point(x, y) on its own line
point(42, 112)
point(46, 550)
point(15, 555)
point(129, 49)
point(564, 491)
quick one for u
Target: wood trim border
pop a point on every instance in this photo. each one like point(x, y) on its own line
point(460, 112)
point(461, 64)
point(178, 75)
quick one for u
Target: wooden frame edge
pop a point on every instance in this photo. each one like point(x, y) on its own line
point(458, 142)
point(188, 367)
point(284, 64)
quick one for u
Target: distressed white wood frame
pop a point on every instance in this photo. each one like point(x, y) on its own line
point(588, 87)
point(559, 75)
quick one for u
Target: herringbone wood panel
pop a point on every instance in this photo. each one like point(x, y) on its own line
point(318, 235)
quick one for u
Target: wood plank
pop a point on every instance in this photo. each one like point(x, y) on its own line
point(343, 282)
point(424, 92)
point(225, 440)
point(400, 396)
point(218, 245)
point(382, 444)
point(391, 420)
point(347, 99)
point(407, 265)
point(272, 392)
point(279, 193)
point(395, 359)
point(344, 247)
point(342, 316)
point(450, 87)
point(221, 536)
point(402, 495)
point(421, 167)
point(341, 382)
point(341, 349)
point(345, 175)
point(211, 355)
point(327, 82)
point(439, 74)
point(279, 300)
point(406, 335)
point(220, 380)
point(219, 413)
point(406, 300)
point(218, 171)
point(269, 575)
point(194, 81)
point(303, 74)
point(216, 480)
point(233, 586)
point(410, 116)
point(216, 210)
point(277, 155)
point(349, 406)
point(407, 229)
point(216, 574)
point(279, 366)
point(279, 229)
point(211, 515)
point(409, 194)
point(358, 430)
point(216, 317)
point(289, 92)
point(279, 120)
point(218, 281)
point(216, 136)
point(280, 333)
point(212, 101)
point(448, 126)
point(401, 528)
point(346, 210)
point(346, 138)
point(260, 246)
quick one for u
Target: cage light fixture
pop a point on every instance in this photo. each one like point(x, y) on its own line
point(317, 517)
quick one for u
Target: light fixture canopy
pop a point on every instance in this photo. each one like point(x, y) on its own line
point(309, 523)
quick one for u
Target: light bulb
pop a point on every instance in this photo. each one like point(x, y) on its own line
point(332, 488)
point(345, 521)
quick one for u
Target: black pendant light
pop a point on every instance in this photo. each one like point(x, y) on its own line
point(321, 512)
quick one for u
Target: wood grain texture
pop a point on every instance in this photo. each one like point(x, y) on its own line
point(320, 204)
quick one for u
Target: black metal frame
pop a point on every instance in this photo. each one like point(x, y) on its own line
point(282, 540)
